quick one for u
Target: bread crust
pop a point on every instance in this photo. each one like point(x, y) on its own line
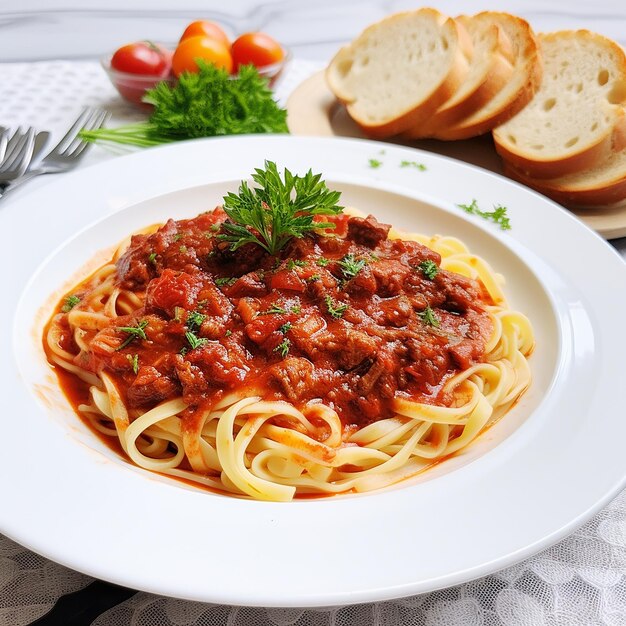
point(599, 194)
point(475, 123)
point(592, 154)
point(429, 104)
point(495, 78)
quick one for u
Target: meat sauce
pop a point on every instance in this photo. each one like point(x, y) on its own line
point(348, 318)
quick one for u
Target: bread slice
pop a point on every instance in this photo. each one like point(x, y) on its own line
point(519, 90)
point(601, 186)
point(397, 72)
point(490, 70)
point(576, 118)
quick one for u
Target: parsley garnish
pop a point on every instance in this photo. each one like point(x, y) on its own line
point(296, 309)
point(428, 317)
point(497, 216)
point(277, 210)
point(350, 266)
point(203, 104)
point(194, 340)
point(215, 227)
point(429, 269)
point(134, 361)
point(227, 280)
point(228, 333)
point(322, 261)
point(285, 328)
point(195, 319)
point(314, 277)
point(293, 263)
point(70, 302)
point(335, 310)
point(374, 163)
point(178, 236)
point(283, 347)
point(182, 249)
point(419, 166)
point(152, 258)
point(274, 310)
point(133, 332)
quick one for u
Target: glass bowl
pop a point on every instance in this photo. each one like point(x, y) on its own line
point(132, 87)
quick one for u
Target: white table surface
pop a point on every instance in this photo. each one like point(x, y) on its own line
point(79, 31)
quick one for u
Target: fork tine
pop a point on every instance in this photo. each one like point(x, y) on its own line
point(12, 144)
point(97, 123)
point(88, 124)
point(21, 159)
point(72, 132)
point(16, 148)
point(4, 140)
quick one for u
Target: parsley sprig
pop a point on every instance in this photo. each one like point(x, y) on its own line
point(133, 332)
point(350, 267)
point(429, 269)
point(203, 104)
point(283, 347)
point(278, 209)
point(70, 302)
point(334, 309)
point(497, 216)
point(428, 317)
point(195, 341)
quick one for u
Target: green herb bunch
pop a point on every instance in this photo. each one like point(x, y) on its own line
point(203, 104)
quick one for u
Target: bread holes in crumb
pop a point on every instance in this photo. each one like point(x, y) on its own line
point(344, 66)
point(571, 142)
point(444, 43)
point(617, 95)
point(512, 139)
point(538, 146)
point(594, 126)
point(603, 77)
point(549, 104)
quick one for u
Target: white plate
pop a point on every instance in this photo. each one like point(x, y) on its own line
point(534, 477)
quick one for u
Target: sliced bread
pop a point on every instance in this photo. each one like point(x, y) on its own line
point(490, 70)
point(517, 92)
point(601, 186)
point(575, 119)
point(397, 72)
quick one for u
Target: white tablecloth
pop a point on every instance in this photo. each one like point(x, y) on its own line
point(581, 580)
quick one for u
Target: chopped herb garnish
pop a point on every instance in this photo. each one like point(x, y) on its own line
point(178, 236)
point(70, 302)
point(182, 249)
point(296, 309)
point(133, 332)
point(225, 281)
point(418, 166)
point(497, 216)
point(215, 227)
point(429, 269)
point(283, 347)
point(278, 209)
point(228, 333)
point(285, 328)
point(274, 310)
point(336, 310)
point(374, 257)
point(322, 261)
point(194, 340)
point(428, 317)
point(195, 319)
point(350, 267)
point(314, 277)
point(133, 359)
point(152, 258)
point(293, 263)
point(374, 163)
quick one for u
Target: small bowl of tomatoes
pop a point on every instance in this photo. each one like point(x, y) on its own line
point(135, 68)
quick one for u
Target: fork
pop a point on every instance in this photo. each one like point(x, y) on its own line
point(66, 154)
point(17, 156)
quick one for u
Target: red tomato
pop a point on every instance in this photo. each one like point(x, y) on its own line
point(206, 29)
point(209, 50)
point(256, 48)
point(142, 57)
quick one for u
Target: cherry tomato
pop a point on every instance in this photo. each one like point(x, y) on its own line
point(206, 29)
point(256, 48)
point(142, 57)
point(209, 50)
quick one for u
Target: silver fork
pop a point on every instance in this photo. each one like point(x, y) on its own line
point(18, 154)
point(66, 154)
